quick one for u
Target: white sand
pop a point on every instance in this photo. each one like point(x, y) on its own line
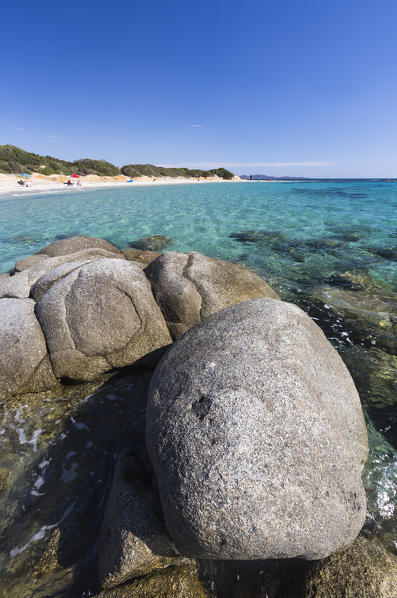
point(39, 183)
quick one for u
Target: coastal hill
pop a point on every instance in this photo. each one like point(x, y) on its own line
point(14, 160)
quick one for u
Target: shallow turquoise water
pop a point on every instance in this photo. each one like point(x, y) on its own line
point(202, 217)
point(331, 247)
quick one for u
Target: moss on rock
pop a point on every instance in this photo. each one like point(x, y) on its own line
point(173, 582)
point(364, 570)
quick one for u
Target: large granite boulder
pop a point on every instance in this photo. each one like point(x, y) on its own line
point(191, 286)
point(98, 317)
point(133, 540)
point(24, 363)
point(257, 437)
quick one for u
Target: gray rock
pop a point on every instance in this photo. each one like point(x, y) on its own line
point(74, 244)
point(189, 287)
point(100, 316)
point(16, 286)
point(257, 437)
point(133, 540)
point(46, 281)
point(29, 261)
point(24, 363)
point(5, 276)
point(31, 270)
point(50, 263)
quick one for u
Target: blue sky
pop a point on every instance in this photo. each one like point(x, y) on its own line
point(288, 87)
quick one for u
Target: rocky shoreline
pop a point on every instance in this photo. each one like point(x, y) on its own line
point(255, 433)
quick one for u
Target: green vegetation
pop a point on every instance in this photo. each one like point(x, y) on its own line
point(136, 170)
point(16, 160)
point(100, 167)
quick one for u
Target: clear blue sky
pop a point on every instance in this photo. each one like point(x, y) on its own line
point(297, 87)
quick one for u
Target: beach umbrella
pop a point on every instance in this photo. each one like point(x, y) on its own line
point(26, 175)
point(74, 176)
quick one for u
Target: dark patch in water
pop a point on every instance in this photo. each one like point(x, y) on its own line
point(388, 253)
point(329, 193)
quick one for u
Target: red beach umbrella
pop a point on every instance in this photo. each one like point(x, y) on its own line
point(74, 176)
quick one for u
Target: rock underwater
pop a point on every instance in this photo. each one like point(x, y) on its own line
point(257, 438)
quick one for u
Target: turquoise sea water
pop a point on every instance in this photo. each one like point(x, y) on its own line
point(330, 247)
point(202, 217)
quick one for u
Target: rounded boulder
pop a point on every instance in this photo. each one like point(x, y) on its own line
point(257, 437)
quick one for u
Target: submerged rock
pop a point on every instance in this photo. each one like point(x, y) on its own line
point(133, 540)
point(375, 375)
point(257, 438)
point(152, 243)
point(388, 253)
point(371, 312)
point(189, 287)
point(365, 569)
point(24, 363)
point(98, 317)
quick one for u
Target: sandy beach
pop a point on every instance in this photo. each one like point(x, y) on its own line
point(39, 183)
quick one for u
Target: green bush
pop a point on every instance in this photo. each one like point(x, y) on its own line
point(101, 167)
point(47, 170)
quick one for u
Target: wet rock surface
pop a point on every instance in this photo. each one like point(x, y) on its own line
point(365, 569)
point(236, 408)
point(372, 315)
point(173, 582)
point(133, 540)
point(58, 457)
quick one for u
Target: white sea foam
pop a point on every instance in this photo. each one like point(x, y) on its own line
point(41, 533)
point(33, 441)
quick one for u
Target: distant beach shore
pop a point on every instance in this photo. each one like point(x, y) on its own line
point(39, 183)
